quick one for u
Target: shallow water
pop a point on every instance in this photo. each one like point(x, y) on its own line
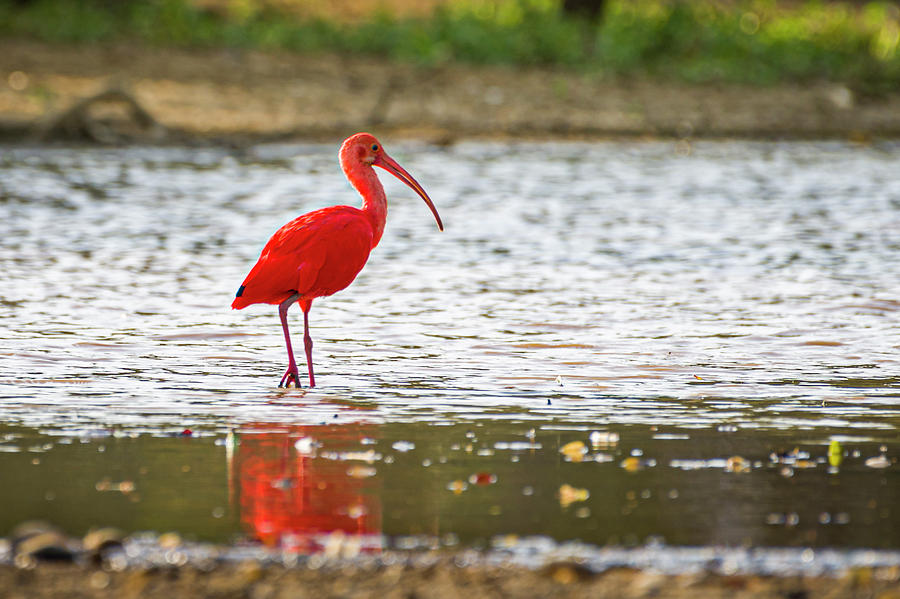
point(720, 317)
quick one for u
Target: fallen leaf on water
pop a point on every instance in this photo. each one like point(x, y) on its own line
point(569, 495)
point(574, 450)
point(835, 453)
point(632, 464)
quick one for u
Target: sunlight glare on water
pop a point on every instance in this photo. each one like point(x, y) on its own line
point(746, 282)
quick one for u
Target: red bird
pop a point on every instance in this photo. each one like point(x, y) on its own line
point(321, 252)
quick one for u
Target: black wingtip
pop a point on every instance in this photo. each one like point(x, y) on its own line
point(241, 291)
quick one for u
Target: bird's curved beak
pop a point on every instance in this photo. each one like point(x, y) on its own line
point(391, 166)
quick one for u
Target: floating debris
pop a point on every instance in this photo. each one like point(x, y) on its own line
point(569, 495)
point(633, 463)
point(879, 461)
point(574, 451)
point(357, 510)
point(603, 438)
point(369, 455)
point(457, 486)
point(403, 446)
point(804, 464)
point(125, 486)
point(835, 453)
point(791, 458)
point(737, 464)
point(789, 519)
point(360, 471)
point(283, 483)
point(602, 458)
point(516, 445)
point(483, 478)
point(698, 464)
point(306, 445)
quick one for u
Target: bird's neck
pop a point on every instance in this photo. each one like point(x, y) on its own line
point(365, 181)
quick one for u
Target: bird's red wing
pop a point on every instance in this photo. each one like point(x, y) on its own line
point(314, 255)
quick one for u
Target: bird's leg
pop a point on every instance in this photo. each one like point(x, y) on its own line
point(291, 372)
point(307, 343)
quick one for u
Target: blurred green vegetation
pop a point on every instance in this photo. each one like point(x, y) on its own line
point(744, 41)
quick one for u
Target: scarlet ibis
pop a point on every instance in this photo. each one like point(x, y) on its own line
point(321, 252)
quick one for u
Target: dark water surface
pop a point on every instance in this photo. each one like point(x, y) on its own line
point(716, 331)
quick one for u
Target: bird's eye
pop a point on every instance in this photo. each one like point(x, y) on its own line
point(374, 147)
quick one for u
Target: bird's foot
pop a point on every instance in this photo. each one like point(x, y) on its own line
point(289, 375)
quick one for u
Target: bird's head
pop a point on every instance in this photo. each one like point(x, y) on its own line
point(365, 149)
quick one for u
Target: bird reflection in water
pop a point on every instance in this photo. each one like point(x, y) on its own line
point(299, 498)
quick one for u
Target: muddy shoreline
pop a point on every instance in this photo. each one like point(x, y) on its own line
point(442, 577)
point(40, 561)
point(155, 95)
